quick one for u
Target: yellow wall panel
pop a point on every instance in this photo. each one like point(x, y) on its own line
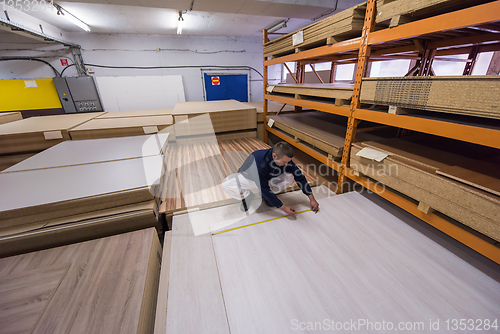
point(17, 95)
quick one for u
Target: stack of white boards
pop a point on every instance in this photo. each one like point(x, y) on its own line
point(357, 269)
point(108, 127)
point(7, 117)
point(79, 190)
point(107, 285)
point(228, 119)
point(417, 171)
point(478, 94)
point(21, 139)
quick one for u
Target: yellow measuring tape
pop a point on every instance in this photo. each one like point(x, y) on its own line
point(264, 221)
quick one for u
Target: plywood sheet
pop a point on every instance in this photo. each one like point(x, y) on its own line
point(137, 113)
point(344, 264)
point(7, 117)
point(327, 90)
point(39, 133)
point(201, 107)
point(479, 95)
point(57, 192)
point(33, 236)
point(79, 152)
point(195, 302)
point(472, 178)
point(108, 287)
point(120, 127)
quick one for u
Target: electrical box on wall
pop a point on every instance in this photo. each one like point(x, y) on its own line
point(78, 94)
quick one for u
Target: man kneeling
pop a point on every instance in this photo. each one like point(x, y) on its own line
point(275, 171)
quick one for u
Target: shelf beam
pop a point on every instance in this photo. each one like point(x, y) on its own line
point(325, 107)
point(459, 19)
point(468, 133)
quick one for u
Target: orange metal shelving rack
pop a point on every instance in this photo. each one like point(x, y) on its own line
point(401, 40)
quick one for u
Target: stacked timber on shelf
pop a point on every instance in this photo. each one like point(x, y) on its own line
point(123, 126)
point(273, 108)
point(403, 11)
point(80, 190)
point(464, 189)
point(137, 113)
point(464, 95)
point(7, 117)
point(228, 119)
point(341, 92)
point(320, 130)
point(23, 138)
point(106, 285)
point(344, 25)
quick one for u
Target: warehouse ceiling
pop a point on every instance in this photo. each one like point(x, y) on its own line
point(201, 17)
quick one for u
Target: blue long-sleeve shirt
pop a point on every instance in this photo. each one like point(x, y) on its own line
point(267, 169)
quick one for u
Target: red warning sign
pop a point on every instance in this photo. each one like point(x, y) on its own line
point(64, 62)
point(215, 81)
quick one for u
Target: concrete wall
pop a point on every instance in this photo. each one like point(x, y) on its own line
point(143, 50)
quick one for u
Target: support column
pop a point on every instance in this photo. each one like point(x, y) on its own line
point(78, 59)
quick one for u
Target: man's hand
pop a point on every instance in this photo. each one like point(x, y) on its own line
point(314, 205)
point(289, 210)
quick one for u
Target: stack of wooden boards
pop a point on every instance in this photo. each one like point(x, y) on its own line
point(349, 23)
point(23, 138)
point(341, 92)
point(273, 108)
point(78, 190)
point(285, 274)
point(229, 119)
point(403, 11)
point(323, 131)
point(126, 123)
point(466, 95)
point(346, 24)
point(464, 189)
point(7, 117)
point(106, 285)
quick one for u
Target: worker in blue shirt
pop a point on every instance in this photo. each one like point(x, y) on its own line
point(271, 171)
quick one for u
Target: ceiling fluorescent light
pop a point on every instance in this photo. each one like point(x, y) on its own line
point(71, 18)
point(180, 22)
point(277, 26)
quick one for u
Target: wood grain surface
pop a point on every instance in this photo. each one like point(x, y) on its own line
point(7, 117)
point(195, 170)
point(341, 264)
point(102, 291)
point(137, 113)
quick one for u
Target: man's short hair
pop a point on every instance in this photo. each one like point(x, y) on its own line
point(283, 148)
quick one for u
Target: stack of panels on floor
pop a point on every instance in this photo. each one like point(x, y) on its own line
point(195, 170)
point(321, 130)
point(418, 172)
point(273, 108)
point(123, 126)
point(478, 94)
point(342, 264)
point(228, 119)
point(106, 285)
point(7, 117)
point(79, 190)
point(346, 24)
point(418, 9)
point(21, 139)
point(137, 113)
point(341, 92)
